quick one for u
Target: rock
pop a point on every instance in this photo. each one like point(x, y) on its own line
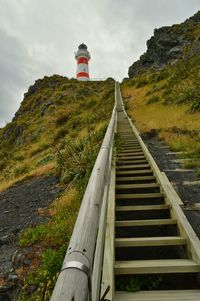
point(27, 261)
point(18, 259)
point(6, 239)
point(166, 46)
point(12, 277)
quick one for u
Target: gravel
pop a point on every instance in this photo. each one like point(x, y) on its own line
point(20, 206)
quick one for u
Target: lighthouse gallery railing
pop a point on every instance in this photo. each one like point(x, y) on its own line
point(80, 276)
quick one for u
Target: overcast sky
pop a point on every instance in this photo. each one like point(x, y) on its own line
point(39, 37)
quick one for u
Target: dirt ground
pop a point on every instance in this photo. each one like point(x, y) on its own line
point(186, 182)
point(20, 208)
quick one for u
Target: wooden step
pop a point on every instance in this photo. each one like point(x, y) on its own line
point(133, 172)
point(132, 145)
point(132, 186)
point(150, 222)
point(170, 295)
point(157, 266)
point(132, 166)
point(132, 179)
point(139, 195)
point(129, 148)
point(150, 241)
point(142, 208)
point(130, 154)
point(121, 162)
point(128, 158)
point(130, 151)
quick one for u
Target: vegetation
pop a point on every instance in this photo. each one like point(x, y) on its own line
point(58, 129)
point(52, 109)
point(168, 101)
point(134, 284)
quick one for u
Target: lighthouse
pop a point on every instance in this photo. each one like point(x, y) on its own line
point(82, 56)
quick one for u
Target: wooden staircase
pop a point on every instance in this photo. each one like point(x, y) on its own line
point(152, 235)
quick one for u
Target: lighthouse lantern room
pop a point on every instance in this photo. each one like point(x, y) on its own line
point(82, 56)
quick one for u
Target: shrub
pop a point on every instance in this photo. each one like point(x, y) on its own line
point(76, 158)
point(153, 99)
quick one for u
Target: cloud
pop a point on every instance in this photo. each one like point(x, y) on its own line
point(40, 37)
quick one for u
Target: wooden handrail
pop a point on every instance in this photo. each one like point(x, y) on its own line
point(74, 280)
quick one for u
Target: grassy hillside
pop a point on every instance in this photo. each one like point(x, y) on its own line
point(168, 101)
point(53, 108)
point(58, 129)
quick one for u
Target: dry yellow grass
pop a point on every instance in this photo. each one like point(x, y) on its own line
point(173, 123)
point(158, 116)
point(37, 172)
point(66, 199)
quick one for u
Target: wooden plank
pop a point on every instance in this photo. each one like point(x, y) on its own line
point(170, 295)
point(141, 178)
point(133, 172)
point(150, 222)
point(132, 166)
point(170, 191)
point(150, 241)
point(127, 158)
point(142, 208)
point(160, 266)
point(98, 258)
point(121, 162)
point(128, 154)
point(130, 151)
point(129, 186)
point(109, 251)
point(139, 196)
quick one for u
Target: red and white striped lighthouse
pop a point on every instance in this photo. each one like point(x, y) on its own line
point(82, 56)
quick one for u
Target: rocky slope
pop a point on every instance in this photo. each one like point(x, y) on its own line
point(169, 44)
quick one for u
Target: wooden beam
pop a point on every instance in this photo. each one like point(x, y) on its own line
point(150, 241)
point(150, 222)
point(139, 196)
point(142, 207)
point(157, 266)
point(109, 250)
point(165, 295)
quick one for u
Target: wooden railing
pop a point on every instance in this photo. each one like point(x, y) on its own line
point(80, 276)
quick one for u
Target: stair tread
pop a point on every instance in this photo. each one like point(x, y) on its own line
point(133, 166)
point(151, 222)
point(150, 241)
point(136, 178)
point(126, 186)
point(164, 295)
point(119, 162)
point(139, 195)
point(142, 207)
point(156, 266)
point(127, 158)
point(129, 154)
point(133, 172)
